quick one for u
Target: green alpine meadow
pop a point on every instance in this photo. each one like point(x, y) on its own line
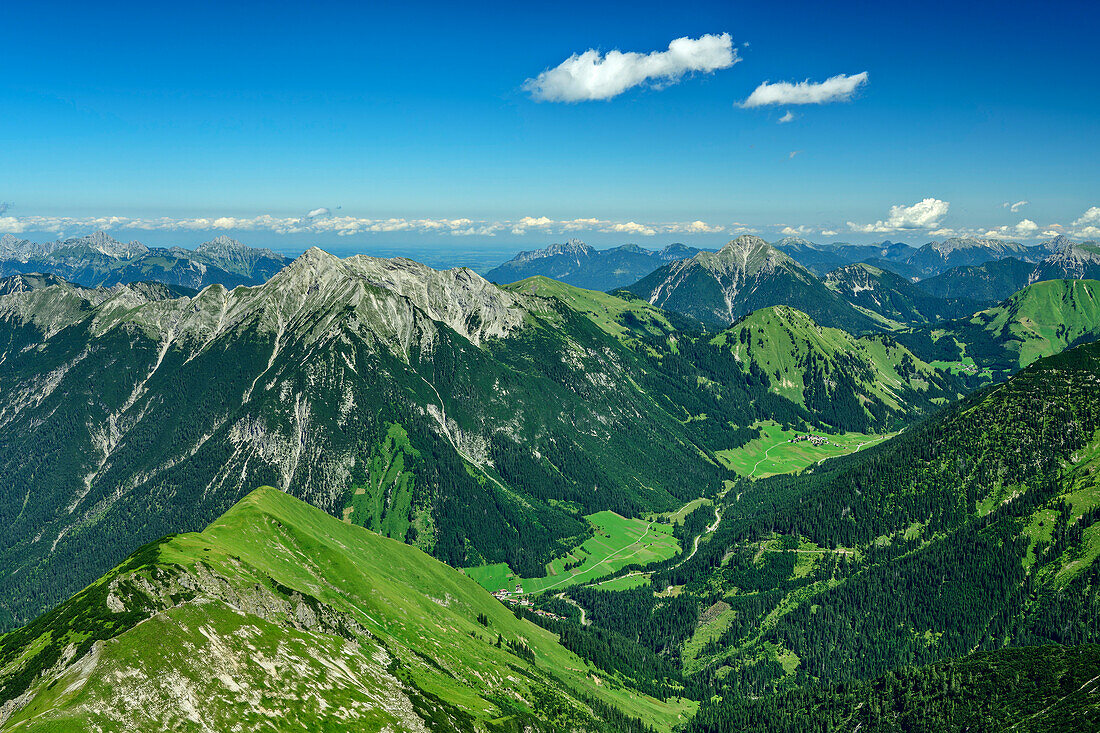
point(706, 367)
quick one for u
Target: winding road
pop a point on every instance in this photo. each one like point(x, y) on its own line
point(708, 530)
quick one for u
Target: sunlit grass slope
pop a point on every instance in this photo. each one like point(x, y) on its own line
point(280, 617)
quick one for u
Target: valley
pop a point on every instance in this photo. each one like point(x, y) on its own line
point(700, 367)
point(678, 519)
point(789, 451)
point(617, 542)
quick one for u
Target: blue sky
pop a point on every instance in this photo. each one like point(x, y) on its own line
point(412, 125)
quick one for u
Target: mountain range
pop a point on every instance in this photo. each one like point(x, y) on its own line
point(406, 423)
point(98, 259)
point(576, 263)
point(717, 288)
point(925, 262)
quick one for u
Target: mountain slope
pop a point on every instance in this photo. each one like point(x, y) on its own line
point(974, 530)
point(1039, 689)
point(1075, 261)
point(1042, 319)
point(860, 385)
point(747, 274)
point(892, 296)
point(152, 413)
point(575, 263)
point(993, 281)
point(277, 610)
point(614, 315)
point(99, 260)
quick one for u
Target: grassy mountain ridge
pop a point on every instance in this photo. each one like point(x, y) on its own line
point(847, 382)
point(278, 613)
point(1041, 319)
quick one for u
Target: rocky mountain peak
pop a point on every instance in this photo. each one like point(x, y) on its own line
point(953, 244)
point(748, 254)
point(571, 247)
point(460, 298)
point(225, 249)
point(105, 244)
point(794, 242)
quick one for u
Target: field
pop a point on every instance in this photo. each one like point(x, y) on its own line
point(606, 311)
point(773, 453)
point(618, 542)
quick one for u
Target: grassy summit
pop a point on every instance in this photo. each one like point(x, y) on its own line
point(278, 616)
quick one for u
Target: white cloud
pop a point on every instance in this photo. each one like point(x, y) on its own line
point(346, 226)
point(1014, 207)
point(1087, 226)
point(829, 233)
point(793, 153)
point(323, 211)
point(576, 225)
point(630, 227)
point(799, 231)
point(925, 214)
point(839, 88)
point(1092, 216)
point(694, 227)
point(589, 76)
point(786, 118)
point(1025, 229)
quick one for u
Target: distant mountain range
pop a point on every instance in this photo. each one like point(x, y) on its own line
point(575, 263)
point(822, 258)
point(993, 281)
point(1053, 259)
point(100, 260)
point(894, 297)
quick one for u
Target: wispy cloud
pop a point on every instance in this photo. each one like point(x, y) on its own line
point(786, 118)
point(925, 214)
point(839, 88)
point(1014, 207)
point(590, 76)
point(793, 153)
